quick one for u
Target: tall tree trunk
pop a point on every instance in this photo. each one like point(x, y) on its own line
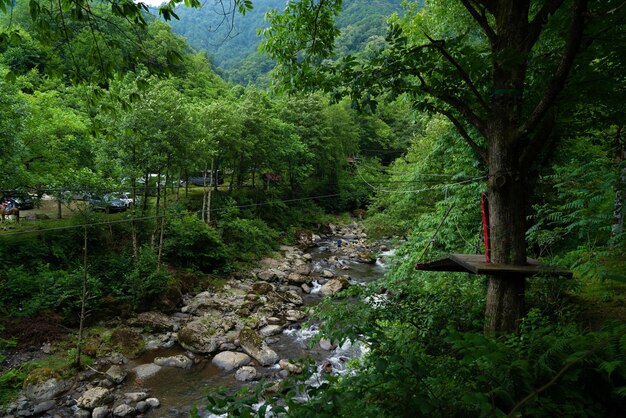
point(208, 202)
point(83, 303)
point(204, 194)
point(507, 226)
point(146, 186)
point(163, 219)
point(158, 192)
point(59, 213)
point(620, 186)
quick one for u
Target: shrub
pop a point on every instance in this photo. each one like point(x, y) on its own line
point(192, 243)
point(247, 239)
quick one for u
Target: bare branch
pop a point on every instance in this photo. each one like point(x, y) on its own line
point(481, 19)
point(464, 75)
point(574, 39)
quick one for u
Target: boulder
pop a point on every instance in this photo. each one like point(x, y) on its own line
point(82, 413)
point(124, 410)
point(116, 374)
point(303, 269)
point(200, 336)
point(229, 360)
point(306, 288)
point(269, 330)
point(327, 345)
point(333, 286)
point(146, 371)
point(293, 297)
point(142, 407)
point(95, 397)
point(293, 315)
point(297, 278)
point(272, 274)
point(28, 409)
point(45, 391)
point(136, 396)
point(156, 321)
point(327, 274)
point(101, 412)
point(153, 402)
point(246, 373)
point(262, 288)
point(252, 343)
point(290, 367)
point(180, 361)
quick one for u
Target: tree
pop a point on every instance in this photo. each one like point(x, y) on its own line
point(495, 69)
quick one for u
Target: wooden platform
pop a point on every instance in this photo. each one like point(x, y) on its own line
point(476, 264)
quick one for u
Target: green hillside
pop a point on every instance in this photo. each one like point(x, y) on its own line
point(232, 44)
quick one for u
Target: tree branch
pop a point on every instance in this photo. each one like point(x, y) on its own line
point(481, 19)
point(574, 39)
point(541, 18)
point(541, 140)
point(463, 132)
point(457, 104)
point(464, 75)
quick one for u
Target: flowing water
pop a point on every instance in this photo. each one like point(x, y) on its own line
point(179, 390)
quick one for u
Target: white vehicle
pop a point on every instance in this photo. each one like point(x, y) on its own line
point(124, 197)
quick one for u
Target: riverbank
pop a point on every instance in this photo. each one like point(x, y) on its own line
point(245, 330)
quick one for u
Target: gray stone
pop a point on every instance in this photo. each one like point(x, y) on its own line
point(44, 391)
point(124, 410)
point(303, 269)
point(116, 374)
point(293, 297)
point(262, 288)
point(142, 407)
point(246, 373)
point(94, 398)
point(117, 358)
point(136, 396)
point(44, 406)
point(290, 367)
point(333, 286)
point(293, 315)
point(327, 345)
point(101, 412)
point(146, 371)
point(229, 360)
point(309, 257)
point(180, 361)
point(252, 343)
point(153, 402)
point(156, 321)
point(82, 413)
point(297, 278)
point(200, 336)
point(270, 330)
point(327, 274)
point(306, 288)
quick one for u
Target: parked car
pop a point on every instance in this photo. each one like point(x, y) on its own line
point(23, 200)
point(123, 196)
point(107, 203)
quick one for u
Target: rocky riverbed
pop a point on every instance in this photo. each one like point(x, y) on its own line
point(247, 329)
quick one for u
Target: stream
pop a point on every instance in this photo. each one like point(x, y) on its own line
point(180, 389)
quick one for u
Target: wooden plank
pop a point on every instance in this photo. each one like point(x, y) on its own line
point(476, 264)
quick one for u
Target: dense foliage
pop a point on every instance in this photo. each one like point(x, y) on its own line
point(231, 40)
point(115, 107)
